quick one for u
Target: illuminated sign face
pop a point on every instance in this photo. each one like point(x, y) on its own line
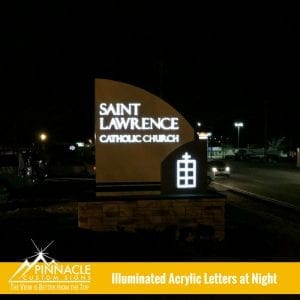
point(134, 132)
point(123, 123)
point(186, 172)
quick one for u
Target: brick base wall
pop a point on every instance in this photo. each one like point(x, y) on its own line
point(202, 217)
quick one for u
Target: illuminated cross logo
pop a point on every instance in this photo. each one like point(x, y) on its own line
point(186, 172)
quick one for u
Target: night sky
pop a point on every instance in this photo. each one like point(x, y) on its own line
point(216, 65)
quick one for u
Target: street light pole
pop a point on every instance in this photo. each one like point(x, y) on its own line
point(239, 125)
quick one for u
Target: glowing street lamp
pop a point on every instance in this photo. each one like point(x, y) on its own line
point(43, 137)
point(239, 125)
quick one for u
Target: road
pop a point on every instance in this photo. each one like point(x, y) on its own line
point(277, 181)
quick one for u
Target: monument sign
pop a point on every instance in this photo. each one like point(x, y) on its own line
point(134, 131)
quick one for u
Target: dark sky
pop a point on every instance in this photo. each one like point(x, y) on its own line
point(215, 64)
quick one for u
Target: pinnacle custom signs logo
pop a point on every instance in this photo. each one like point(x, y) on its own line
point(40, 272)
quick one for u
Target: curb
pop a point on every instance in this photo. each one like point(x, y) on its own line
point(260, 197)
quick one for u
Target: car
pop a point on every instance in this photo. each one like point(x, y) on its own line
point(218, 168)
point(17, 172)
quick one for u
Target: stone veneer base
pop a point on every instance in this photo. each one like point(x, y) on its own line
point(204, 216)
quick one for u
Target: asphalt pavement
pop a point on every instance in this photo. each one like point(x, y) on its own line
point(276, 181)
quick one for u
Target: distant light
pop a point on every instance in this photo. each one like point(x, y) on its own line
point(80, 144)
point(203, 135)
point(72, 148)
point(199, 124)
point(227, 169)
point(90, 141)
point(29, 171)
point(43, 137)
point(214, 169)
point(239, 124)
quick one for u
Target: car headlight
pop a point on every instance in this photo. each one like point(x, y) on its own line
point(214, 169)
point(227, 169)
